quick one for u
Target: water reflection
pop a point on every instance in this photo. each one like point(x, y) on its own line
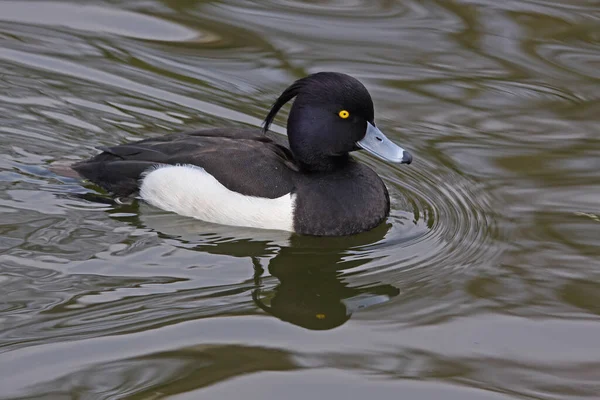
point(312, 291)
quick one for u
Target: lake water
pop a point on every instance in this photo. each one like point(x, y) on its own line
point(483, 284)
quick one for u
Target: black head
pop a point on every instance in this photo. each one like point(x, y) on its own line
point(331, 116)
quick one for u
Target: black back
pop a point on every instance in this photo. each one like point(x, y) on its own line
point(243, 160)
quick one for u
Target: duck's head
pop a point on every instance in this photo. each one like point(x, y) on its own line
point(333, 115)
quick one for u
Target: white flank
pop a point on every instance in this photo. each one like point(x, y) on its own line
point(191, 191)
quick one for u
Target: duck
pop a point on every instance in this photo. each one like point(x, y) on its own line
point(250, 177)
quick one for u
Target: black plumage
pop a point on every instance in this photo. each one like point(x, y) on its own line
point(240, 159)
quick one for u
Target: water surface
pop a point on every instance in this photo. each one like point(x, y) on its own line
point(484, 283)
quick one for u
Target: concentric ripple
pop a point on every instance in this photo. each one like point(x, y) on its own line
point(441, 222)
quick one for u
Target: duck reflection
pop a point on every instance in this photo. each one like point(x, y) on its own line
point(312, 290)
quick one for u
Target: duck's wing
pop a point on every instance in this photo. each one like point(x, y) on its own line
point(242, 160)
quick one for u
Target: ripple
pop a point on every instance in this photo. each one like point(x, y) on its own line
point(98, 19)
point(454, 222)
point(75, 70)
point(375, 23)
point(582, 60)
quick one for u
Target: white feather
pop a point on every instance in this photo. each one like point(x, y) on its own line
point(191, 191)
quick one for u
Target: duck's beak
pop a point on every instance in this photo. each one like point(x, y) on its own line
point(376, 143)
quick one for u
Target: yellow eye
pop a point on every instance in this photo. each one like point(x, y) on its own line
point(344, 114)
point(321, 316)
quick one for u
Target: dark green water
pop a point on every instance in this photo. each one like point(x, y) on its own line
point(484, 283)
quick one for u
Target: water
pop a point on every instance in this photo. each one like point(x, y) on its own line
point(483, 284)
